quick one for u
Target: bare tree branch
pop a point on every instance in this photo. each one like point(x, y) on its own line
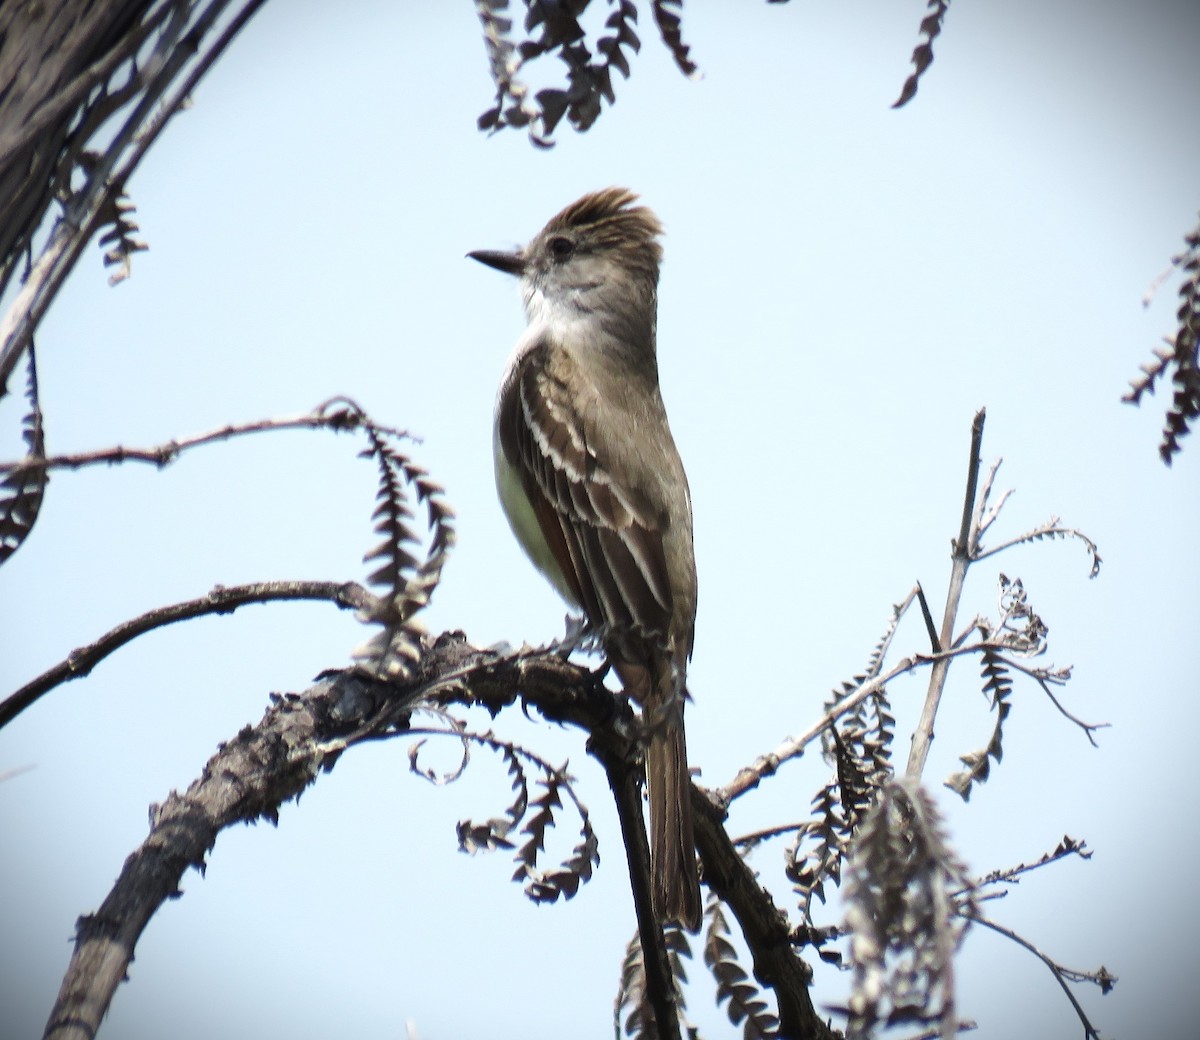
point(338, 414)
point(1011, 875)
point(764, 926)
point(1061, 975)
point(1043, 678)
point(248, 779)
point(961, 560)
point(220, 600)
point(302, 735)
point(623, 779)
point(749, 777)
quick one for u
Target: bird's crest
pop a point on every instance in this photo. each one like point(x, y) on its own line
point(611, 220)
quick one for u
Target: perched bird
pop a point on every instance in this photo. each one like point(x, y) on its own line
point(594, 489)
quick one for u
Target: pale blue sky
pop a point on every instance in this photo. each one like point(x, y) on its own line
point(844, 286)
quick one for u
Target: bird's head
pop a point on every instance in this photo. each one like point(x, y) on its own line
point(600, 254)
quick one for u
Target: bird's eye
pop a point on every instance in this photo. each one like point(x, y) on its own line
point(561, 247)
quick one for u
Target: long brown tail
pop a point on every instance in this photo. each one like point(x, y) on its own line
point(672, 849)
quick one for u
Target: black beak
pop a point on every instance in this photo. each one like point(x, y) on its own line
point(509, 263)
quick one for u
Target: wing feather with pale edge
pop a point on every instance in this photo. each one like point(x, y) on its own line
point(605, 538)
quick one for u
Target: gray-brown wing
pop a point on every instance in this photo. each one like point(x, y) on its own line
point(605, 534)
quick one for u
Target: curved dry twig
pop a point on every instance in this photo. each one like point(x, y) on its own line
point(22, 482)
point(1053, 528)
point(658, 979)
point(1011, 875)
point(1044, 678)
point(338, 414)
point(749, 777)
point(220, 600)
point(1062, 975)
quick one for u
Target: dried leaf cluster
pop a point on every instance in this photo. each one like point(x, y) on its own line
point(557, 30)
point(633, 1013)
point(904, 914)
point(742, 998)
point(878, 837)
point(24, 485)
point(922, 56)
point(1180, 358)
point(541, 885)
point(404, 582)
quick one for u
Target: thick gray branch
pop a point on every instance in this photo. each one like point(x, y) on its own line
point(302, 735)
point(247, 779)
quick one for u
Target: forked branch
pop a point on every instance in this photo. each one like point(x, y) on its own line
point(1062, 975)
point(960, 561)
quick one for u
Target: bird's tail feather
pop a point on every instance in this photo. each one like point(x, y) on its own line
point(676, 885)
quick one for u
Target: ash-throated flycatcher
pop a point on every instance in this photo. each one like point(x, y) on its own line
point(594, 488)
